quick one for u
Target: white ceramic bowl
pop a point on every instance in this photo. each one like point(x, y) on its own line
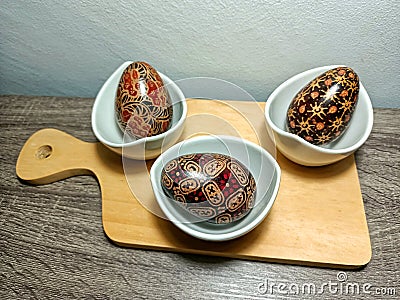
point(107, 131)
point(297, 149)
point(259, 162)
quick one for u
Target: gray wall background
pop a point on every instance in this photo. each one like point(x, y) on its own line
point(69, 48)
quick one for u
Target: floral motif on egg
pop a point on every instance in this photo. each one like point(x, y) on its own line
point(321, 111)
point(143, 106)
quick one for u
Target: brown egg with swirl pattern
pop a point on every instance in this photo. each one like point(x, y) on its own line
point(143, 106)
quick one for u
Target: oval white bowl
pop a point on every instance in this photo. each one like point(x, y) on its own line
point(259, 162)
point(302, 152)
point(107, 131)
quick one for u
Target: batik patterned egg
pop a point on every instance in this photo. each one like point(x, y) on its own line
point(321, 111)
point(211, 186)
point(142, 104)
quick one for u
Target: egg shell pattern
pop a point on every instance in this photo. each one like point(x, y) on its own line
point(211, 186)
point(321, 111)
point(143, 106)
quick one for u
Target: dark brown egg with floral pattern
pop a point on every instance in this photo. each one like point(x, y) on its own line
point(321, 111)
point(142, 104)
point(213, 187)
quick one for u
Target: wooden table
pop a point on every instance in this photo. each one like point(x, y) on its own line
point(52, 244)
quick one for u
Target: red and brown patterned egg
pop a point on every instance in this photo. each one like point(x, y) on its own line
point(143, 105)
point(213, 187)
point(321, 111)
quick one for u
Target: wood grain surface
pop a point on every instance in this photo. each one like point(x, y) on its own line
point(312, 222)
point(52, 243)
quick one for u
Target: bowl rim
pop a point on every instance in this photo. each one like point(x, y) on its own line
point(218, 237)
point(287, 134)
point(167, 82)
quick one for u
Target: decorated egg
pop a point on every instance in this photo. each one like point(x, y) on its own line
point(210, 186)
point(321, 111)
point(143, 106)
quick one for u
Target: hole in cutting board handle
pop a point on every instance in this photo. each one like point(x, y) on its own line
point(44, 152)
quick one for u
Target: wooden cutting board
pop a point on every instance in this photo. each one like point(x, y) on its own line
point(318, 217)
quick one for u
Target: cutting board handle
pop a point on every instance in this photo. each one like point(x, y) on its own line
point(50, 155)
